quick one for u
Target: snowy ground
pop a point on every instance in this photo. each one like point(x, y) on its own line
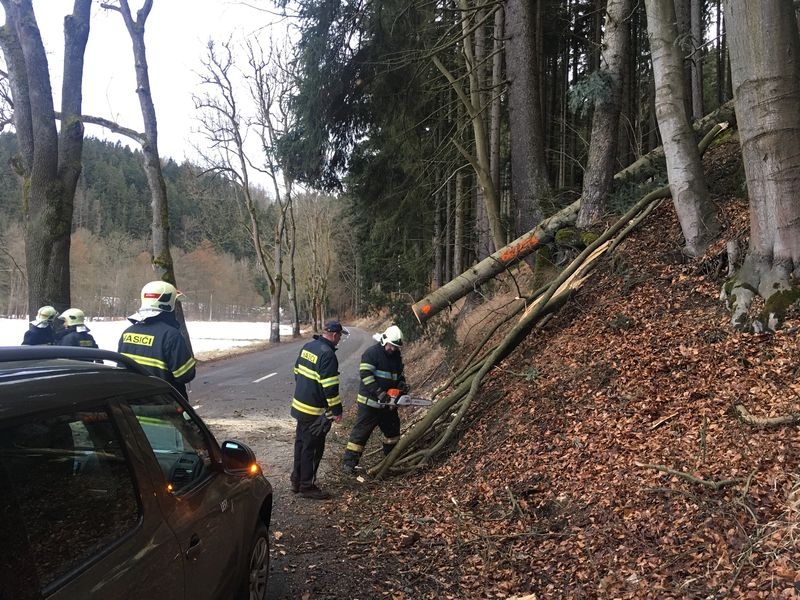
point(207, 336)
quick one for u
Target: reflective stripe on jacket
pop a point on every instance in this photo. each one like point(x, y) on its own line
point(157, 345)
point(379, 371)
point(316, 376)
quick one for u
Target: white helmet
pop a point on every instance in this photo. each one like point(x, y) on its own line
point(159, 295)
point(72, 316)
point(392, 336)
point(46, 314)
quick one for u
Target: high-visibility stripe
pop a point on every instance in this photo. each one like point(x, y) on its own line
point(354, 447)
point(330, 381)
point(187, 366)
point(147, 362)
point(370, 402)
point(307, 373)
point(306, 408)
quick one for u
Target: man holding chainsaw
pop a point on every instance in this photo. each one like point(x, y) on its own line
point(381, 370)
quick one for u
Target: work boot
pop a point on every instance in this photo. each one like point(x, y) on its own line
point(314, 493)
point(295, 484)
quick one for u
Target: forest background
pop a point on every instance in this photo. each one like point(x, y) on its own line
point(443, 131)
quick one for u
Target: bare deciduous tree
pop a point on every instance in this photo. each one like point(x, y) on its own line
point(696, 213)
point(226, 128)
point(151, 159)
point(49, 160)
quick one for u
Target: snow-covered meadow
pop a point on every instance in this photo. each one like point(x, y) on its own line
point(206, 336)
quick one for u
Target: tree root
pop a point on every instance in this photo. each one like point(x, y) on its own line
point(765, 422)
point(714, 485)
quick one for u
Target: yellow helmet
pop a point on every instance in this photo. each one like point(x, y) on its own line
point(159, 295)
point(72, 316)
point(46, 314)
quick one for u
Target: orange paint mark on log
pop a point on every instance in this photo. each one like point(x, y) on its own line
point(426, 309)
point(514, 251)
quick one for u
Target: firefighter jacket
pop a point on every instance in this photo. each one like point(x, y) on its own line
point(316, 376)
point(77, 335)
point(156, 344)
point(380, 371)
point(39, 336)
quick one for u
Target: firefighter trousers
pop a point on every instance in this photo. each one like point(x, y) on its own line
point(367, 419)
point(308, 451)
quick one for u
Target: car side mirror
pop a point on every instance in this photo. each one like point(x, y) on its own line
point(239, 458)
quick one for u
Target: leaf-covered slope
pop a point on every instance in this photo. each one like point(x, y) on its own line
point(620, 469)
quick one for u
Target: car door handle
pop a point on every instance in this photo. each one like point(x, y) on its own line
point(194, 547)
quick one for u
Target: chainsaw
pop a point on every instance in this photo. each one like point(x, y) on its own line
point(398, 399)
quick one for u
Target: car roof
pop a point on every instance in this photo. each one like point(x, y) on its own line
point(41, 378)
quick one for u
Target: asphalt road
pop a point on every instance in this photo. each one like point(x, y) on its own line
point(247, 397)
point(266, 379)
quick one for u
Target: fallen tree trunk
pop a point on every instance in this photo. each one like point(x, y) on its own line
point(494, 264)
point(448, 412)
point(524, 245)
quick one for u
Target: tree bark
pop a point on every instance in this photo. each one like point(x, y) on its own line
point(605, 123)
point(696, 213)
point(764, 47)
point(494, 264)
point(529, 179)
point(49, 162)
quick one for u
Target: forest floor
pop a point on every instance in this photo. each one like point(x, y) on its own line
point(604, 458)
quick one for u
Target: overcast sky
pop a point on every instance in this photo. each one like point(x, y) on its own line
point(176, 36)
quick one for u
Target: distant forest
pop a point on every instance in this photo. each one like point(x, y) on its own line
point(110, 255)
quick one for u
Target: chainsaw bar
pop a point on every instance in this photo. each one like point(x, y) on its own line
point(406, 400)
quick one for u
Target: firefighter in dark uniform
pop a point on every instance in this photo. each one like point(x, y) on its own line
point(316, 395)
point(381, 369)
point(154, 339)
point(76, 333)
point(41, 331)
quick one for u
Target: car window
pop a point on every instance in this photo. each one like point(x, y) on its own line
point(180, 445)
point(72, 489)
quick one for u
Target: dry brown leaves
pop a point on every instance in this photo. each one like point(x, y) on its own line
point(545, 494)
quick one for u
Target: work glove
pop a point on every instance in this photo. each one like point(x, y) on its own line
point(321, 425)
point(403, 387)
point(383, 397)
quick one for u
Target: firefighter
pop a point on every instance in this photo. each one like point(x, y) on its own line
point(381, 369)
point(316, 396)
point(76, 333)
point(42, 329)
point(154, 339)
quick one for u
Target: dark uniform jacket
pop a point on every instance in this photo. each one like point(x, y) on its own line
point(77, 335)
point(39, 336)
point(156, 344)
point(379, 371)
point(316, 376)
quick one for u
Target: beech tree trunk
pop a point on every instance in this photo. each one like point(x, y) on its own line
point(49, 161)
point(696, 213)
point(764, 46)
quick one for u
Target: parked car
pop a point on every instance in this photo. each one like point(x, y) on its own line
point(112, 487)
